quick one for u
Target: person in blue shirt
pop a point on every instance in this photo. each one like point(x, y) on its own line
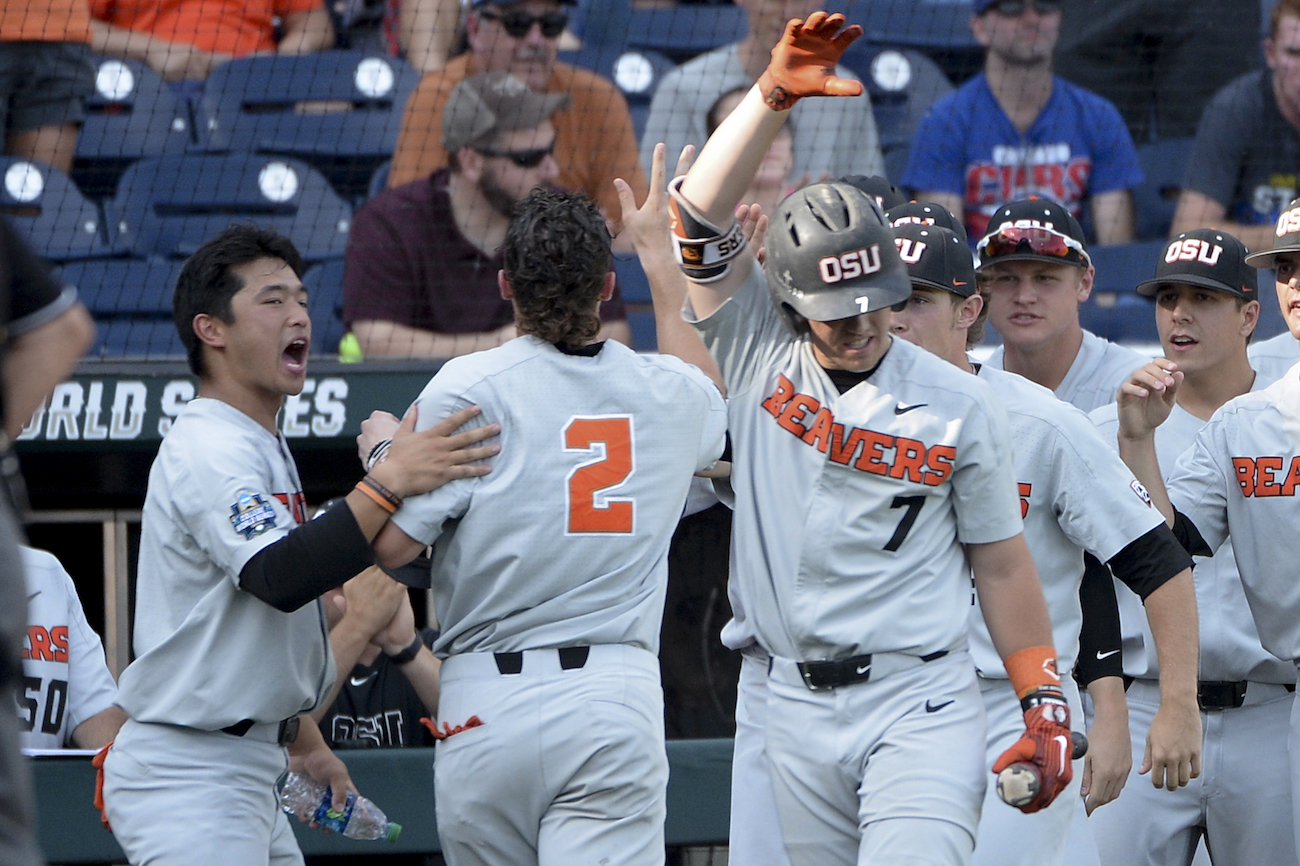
point(1016, 130)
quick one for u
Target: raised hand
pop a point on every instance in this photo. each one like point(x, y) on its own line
point(803, 62)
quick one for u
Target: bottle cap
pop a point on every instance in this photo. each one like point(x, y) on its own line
point(394, 830)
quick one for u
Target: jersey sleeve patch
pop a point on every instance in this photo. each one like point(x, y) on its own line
point(251, 515)
point(1141, 491)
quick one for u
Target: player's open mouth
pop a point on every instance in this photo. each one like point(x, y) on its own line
point(1182, 342)
point(295, 354)
point(1023, 319)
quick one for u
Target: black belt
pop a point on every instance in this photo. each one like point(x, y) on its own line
point(844, 672)
point(571, 658)
point(285, 736)
point(1212, 695)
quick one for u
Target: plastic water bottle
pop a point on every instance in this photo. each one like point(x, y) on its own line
point(308, 799)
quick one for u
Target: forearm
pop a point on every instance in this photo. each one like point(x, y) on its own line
point(1112, 215)
point(674, 335)
point(1139, 454)
point(347, 643)
point(121, 42)
point(727, 164)
point(100, 729)
point(380, 338)
point(307, 32)
point(1171, 613)
point(1109, 706)
point(423, 674)
point(1010, 595)
point(428, 32)
point(37, 361)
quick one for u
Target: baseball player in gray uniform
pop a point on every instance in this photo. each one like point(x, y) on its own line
point(1238, 478)
point(1274, 356)
point(1206, 306)
point(866, 472)
point(549, 575)
point(1035, 260)
point(67, 693)
point(230, 638)
point(1076, 496)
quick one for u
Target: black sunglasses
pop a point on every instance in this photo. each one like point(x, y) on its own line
point(1016, 8)
point(521, 158)
point(517, 23)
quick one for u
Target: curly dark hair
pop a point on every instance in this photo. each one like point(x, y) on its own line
point(206, 282)
point(556, 255)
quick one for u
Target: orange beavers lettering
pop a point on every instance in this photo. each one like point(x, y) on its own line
point(48, 646)
point(1264, 476)
point(866, 450)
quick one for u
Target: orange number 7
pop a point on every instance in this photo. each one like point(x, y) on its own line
point(590, 510)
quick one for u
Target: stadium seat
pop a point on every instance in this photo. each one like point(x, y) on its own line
point(167, 206)
point(903, 83)
point(131, 301)
point(50, 213)
point(137, 339)
point(642, 323)
point(131, 113)
point(1114, 310)
point(1164, 163)
point(682, 31)
point(929, 24)
point(325, 305)
point(379, 180)
point(341, 111)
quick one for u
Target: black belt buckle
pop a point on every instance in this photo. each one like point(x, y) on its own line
point(821, 676)
point(1221, 696)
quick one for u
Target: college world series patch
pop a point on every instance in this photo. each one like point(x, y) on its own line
point(251, 515)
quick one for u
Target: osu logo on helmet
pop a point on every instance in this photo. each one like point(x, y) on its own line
point(848, 266)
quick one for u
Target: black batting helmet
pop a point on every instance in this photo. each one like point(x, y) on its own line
point(831, 255)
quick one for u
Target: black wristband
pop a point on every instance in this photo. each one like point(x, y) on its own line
point(407, 655)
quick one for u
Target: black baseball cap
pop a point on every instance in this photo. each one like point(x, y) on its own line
point(1207, 258)
point(1037, 230)
point(926, 214)
point(936, 258)
point(879, 188)
point(1286, 238)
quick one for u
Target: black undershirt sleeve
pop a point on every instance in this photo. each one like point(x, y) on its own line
point(1189, 536)
point(312, 559)
point(1100, 638)
point(1150, 561)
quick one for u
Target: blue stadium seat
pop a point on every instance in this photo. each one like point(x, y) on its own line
point(167, 206)
point(341, 111)
point(325, 305)
point(682, 31)
point(132, 113)
point(1164, 163)
point(928, 24)
point(1114, 310)
point(125, 288)
point(903, 83)
point(642, 323)
point(50, 213)
point(137, 339)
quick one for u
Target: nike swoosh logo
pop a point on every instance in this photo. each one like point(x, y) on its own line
point(959, 282)
point(367, 678)
point(862, 670)
point(1101, 655)
point(900, 408)
point(934, 708)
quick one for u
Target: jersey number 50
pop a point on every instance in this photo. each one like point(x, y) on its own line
point(608, 438)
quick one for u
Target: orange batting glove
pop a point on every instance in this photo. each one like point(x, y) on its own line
point(1046, 742)
point(803, 62)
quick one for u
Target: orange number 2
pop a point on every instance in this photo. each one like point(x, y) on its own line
point(609, 439)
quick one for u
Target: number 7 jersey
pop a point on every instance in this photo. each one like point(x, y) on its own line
point(565, 542)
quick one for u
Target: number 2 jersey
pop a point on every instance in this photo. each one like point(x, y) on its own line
point(851, 509)
point(65, 678)
point(565, 542)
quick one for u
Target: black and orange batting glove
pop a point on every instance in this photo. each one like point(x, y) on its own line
point(1046, 742)
point(803, 62)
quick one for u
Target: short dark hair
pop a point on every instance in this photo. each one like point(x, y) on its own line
point(556, 255)
point(207, 282)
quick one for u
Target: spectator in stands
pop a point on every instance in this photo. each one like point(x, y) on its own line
point(45, 330)
point(68, 692)
point(45, 77)
point(423, 259)
point(1157, 61)
point(1243, 168)
point(834, 136)
point(1015, 130)
point(187, 39)
point(594, 141)
point(772, 181)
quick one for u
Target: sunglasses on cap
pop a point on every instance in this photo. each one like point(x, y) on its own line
point(518, 23)
point(1007, 241)
point(521, 158)
point(1016, 8)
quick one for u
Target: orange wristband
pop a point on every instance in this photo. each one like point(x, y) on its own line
point(377, 499)
point(1032, 668)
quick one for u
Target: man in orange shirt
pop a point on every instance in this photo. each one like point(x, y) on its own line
point(45, 77)
point(186, 39)
point(594, 141)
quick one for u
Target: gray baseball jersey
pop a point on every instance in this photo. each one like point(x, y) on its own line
point(1274, 356)
point(210, 655)
point(1230, 648)
point(565, 542)
point(851, 509)
point(1240, 478)
point(1075, 495)
point(65, 678)
point(1096, 374)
